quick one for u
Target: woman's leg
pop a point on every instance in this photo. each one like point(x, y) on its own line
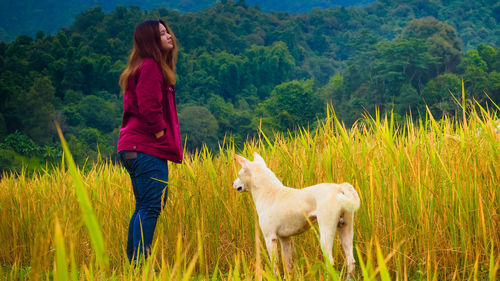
point(148, 175)
point(130, 239)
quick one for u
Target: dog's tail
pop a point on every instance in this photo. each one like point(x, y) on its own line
point(348, 197)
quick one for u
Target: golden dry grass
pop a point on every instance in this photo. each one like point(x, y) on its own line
point(429, 211)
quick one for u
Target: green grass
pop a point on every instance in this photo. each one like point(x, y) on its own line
point(429, 191)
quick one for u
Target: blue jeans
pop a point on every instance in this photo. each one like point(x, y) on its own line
point(150, 198)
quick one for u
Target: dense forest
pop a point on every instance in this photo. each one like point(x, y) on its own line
point(51, 15)
point(241, 68)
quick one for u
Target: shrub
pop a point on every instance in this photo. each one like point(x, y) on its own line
point(22, 144)
point(8, 162)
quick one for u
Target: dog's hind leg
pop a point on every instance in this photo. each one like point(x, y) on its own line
point(286, 250)
point(327, 233)
point(346, 233)
point(272, 249)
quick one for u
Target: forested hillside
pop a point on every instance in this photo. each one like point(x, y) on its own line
point(51, 15)
point(240, 68)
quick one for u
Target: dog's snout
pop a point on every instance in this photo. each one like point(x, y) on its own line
point(237, 184)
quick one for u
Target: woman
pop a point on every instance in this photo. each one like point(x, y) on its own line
point(149, 134)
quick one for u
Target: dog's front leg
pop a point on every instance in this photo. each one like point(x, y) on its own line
point(272, 248)
point(286, 251)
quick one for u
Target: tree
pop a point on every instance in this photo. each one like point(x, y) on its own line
point(232, 121)
point(10, 100)
point(39, 123)
point(8, 162)
point(496, 62)
point(397, 63)
point(22, 144)
point(331, 92)
point(90, 136)
point(494, 90)
point(441, 89)
point(98, 113)
point(268, 66)
point(199, 126)
point(475, 75)
point(293, 104)
point(472, 59)
point(408, 100)
point(88, 18)
point(3, 126)
point(476, 83)
point(487, 54)
point(444, 42)
point(230, 75)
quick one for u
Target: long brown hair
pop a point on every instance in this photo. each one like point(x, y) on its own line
point(147, 44)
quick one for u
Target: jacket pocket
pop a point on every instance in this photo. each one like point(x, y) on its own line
point(162, 138)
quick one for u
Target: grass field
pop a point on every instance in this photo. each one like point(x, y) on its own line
point(429, 208)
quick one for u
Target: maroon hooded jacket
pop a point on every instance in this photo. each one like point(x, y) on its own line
point(149, 107)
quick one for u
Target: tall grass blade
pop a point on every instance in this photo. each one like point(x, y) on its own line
point(384, 273)
point(61, 267)
point(85, 206)
point(493, 267)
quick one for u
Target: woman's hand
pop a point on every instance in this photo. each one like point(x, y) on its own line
point(159, 134)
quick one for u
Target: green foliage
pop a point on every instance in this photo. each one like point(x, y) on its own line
point(293, 104)
point(98, 113)
point(90, 136)
point(22, 144)
point(236, 121)
point(445, 45)
point(18, 151)
point(438, 94)
point(3, 126)
point(268, 66)
point(8, 162)
point(38, 124)
point(80, 150)
point(199, 126)
point(408, 100)
point(488, 55)
point(399, 62)
point(472, 59)
point(249, 68)
point(330, 93)
point(494, 90)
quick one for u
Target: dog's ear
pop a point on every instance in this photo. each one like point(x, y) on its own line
point(258, 158)
point(242, 160)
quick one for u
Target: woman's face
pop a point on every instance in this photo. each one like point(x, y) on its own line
point(166, 39)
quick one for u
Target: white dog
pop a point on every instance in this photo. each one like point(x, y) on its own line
point(284, 212)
